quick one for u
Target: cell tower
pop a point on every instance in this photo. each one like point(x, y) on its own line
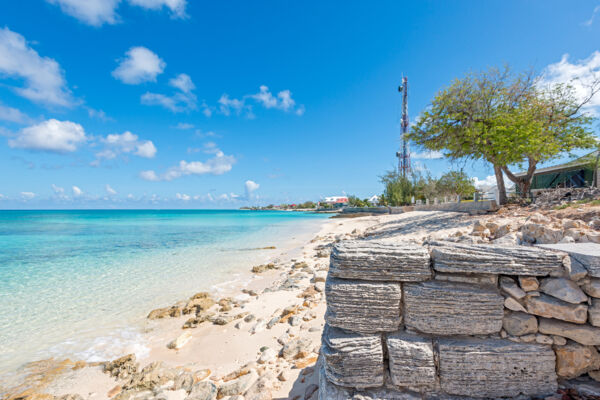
point(404, 154)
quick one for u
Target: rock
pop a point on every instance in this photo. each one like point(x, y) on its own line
point(513, 305)
point(283, 339)
point(180, 341)
point(185, 381)
point(466, 310)
point(529, 283)
point(200, 302)
point(352, 359)
point(222, 319)
point(267, 355)
point(363, 306)
point(477, 279)
point(592, 287)
point(550, 307)
point(205, 390)
point(261, 389)
point(171, 395)
point(114, 391)
point(320, 287)
point(295, 320)
point(541, 233)
point(519, 323)
point(496, 368)
point(153, 375)
point(594, 313)
point(588, 254)
point(491, 259)
point(510, 239)
point(249, 318)
point(527, 338)
point(543, 339)
point(259, 269)
point(559, 340)
point(595, 375)
point(380, 261)
point(197, 320)
point(296, 348)
point(273, 321)
point(122, 367)
point(238, 385)
point(563, 289)
point(259, 326)
point(320, 276)
point(284, 375)
point(573, 360)
point(509, 286)
point(166, 312)
point(583, 334)
point(310, 390)
point(575, 269)
point(411, 360)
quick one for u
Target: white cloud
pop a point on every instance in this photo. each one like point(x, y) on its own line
point(427, 155)
point(183, 82)
point(218, 165)
point(43, 78)
point(250, 187)
point(581, 75)
point(110, 190)
point(226, 104)
point(177, 7)
point(184, 126)
point(283, 101)
point(183, 197)
point(139, 65)
point(58, 189)
point(91, 12)
point(10, 114)
point(27, 195)
point(51, 135)
point(125, 143)
point(590, 21)
point(77, 191)
point(490, 181)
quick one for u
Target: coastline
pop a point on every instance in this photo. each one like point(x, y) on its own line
point(296, 284)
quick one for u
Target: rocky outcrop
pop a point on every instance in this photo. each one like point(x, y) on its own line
point(496, 368)
point(352, 359)
point(588, 254)
point(484, 258)
point(445, 308)
point(363, 306)
point(380, 261)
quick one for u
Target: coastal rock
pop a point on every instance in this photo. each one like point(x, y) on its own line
point(296, 348)
point(352, 359)
point(529, 283)
point(588, 254)
point(320, 276)
point(165, 312)
point(197, 320)
point(205, 390)
point(519, 323)
point(261, 389)
point(541, 233)
point(573, 360)
point(267, 355)
point(550, 307)
point(259, 326)
point(153, 375)
point(583, 334)
point(122, 367)
point(185, 381)
point(380, 261)
point(446, 308)
point(509, 286)
point(238, 385)
point(592, 287)
point(180, 341)
point(199, 302)
point(491, 259)
point(171, 395)
point(411, 360)
point(594, 313)
point(259, 269)
point(363, 306)
point(496, 368)
point(563, 289)
point(513, 305)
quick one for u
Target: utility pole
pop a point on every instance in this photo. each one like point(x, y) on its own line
point(404, 154)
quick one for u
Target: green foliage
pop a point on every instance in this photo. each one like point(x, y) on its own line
point(307, 204)
point(506, 119)
point(354, 201)
point(455, 183)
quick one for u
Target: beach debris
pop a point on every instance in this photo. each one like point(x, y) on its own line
point(180, 341)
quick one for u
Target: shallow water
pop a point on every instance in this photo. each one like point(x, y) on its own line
point(79, 283)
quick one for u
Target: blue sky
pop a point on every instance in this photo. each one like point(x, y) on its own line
point(197, 104)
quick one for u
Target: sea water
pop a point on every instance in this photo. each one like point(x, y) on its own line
point(79, 283)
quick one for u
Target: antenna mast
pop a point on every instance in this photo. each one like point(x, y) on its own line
point(404, 154)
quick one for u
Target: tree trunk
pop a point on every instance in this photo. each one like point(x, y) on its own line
point(502, 199)
point(524, 182)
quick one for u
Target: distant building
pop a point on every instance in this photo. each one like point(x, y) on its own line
point(373, 200)
point(336, 201)
point(575, 173)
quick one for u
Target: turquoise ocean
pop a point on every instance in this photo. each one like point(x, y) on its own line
point(79, 284)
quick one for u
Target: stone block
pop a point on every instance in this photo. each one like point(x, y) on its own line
point(563, 289)
point(519, 323)
point(529, 283)
point(573, 360)
point(588, 254)
point(550, 307)
point(591, 287)
point(476, 279)
point(448, 308)
point(492, 259)
point(380, 261)
point(363, 306)
point(411, 360)
point(496, 368)
point(594, 313)
point(584, 334)
point(352, 359)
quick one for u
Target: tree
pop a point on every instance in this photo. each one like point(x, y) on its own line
point(505, 119)
point(456, 183)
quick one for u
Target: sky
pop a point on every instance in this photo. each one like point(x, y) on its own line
point(223, 104)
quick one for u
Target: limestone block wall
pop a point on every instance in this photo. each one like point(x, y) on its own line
point(448, 319)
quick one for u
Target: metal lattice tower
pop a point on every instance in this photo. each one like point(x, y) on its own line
point(404, 154)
